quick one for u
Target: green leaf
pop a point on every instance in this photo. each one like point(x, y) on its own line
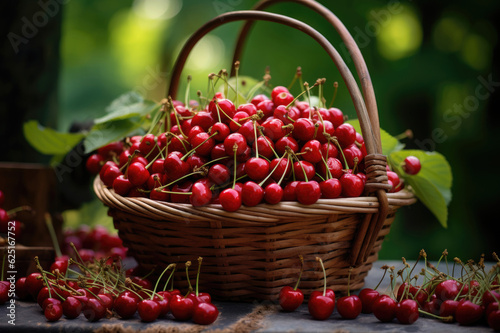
point(102, 134)
point(127, 106)
point(389, 143)
point(48, 141)
point(432, 184)
point(245, 85)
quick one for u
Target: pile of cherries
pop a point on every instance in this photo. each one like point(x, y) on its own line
point(103, 289)
point(268, 150)
point(471, 299)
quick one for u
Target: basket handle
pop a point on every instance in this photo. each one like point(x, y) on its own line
point(375, 162)
point(352, 47)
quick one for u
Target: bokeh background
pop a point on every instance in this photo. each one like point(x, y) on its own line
point(433, 64)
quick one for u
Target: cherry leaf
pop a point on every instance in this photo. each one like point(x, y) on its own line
point(48, 141)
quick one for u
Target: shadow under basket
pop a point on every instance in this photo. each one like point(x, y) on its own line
point(252, 253)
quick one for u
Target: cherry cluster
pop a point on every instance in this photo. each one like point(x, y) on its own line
point(470, 299)
point(269, 150)
point(321, 303)
point(103, 289)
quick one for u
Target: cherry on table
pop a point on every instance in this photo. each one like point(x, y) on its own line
point(53, 312)
point(321, 304)
point(291, 298)
point(205, 313)
point(125, 304)
point(407, 311)
point(149, 310)
point(72, 307)
point(468, 313)
point(368, 297)
point(384, 308)
point(93, 310)
point(349, 307)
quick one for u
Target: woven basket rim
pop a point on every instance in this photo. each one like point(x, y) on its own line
point(160, 210)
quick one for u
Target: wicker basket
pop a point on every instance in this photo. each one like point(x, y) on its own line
point(252, 253)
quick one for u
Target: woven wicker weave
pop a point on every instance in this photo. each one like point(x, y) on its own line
point(252, 253)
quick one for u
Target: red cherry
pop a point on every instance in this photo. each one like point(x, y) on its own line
point(368, 297)
point(223, 109)
point(411, 165)
point(384, 308)
point(312, 151)
point(283, 98)
point(93, 164)
point(304, 170)
point(448, 308)
point(21, 289)
point(149, 310)
point(303, 129)
point(290, 191)
point(222, 131)
point(330, 188)
point(230, 199)
point(61, 265)
point(258, 98)
point(203, 119)
point(267, 107)
point(251, 194)
point(308, 192)
point(334, 166)
point(447, 289)
point(247, 130)
point(205, 313)
point(352, 185)
point(336, 117)
point(494, 320)
point(4, 292)
point(125, 304)
point(407, 311)
point(148, 143)
point(290, 299)
point(219, 174)
point(122, 185)
point(324, 128)
point(346, 135)
point(110, 174)
point(183, 187)
point(489, 297)
point(257, 168)
point(232, 140)
point(239, 118)
point(468, 313)
point(175, 167)
point(286, 141)
point(349, 307)
point(34, 284)
point(72, 307)
point(265, 146)
point(284, 167)
point(249, 108)
point(273, 193)
point(201, 194)
point(53, 312)
point(321, 304)
point(273, 129)
point(93, 310)
point(193, 132)
point(203, 143)
point(182, 308)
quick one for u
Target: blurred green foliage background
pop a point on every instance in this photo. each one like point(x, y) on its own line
point(429, 62)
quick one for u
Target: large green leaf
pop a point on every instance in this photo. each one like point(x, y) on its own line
point(102, 134)
point(432, 185)
point(127, 106)
point(48, 141)
point(389, 143)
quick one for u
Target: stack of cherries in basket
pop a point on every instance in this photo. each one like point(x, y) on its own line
point(269, 150)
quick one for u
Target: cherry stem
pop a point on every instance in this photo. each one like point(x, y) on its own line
point(44, 276)
point(385, 267)
point(297, 97)
point(237, 69)
point(448, 319)
point(188, 263)
point(171, 103)
point(235, 149)
point(169, 277)
point(200, 259)
point(298, 73)
point(256, 143)
point(324, 274)
point(52, 232)
point(188, 86)
point(349, 282)
point(284, 173)
point(301, 258)
point(335, 88)
point(12, 213)
point(194, 149)
point(270, 173)
point(159, 278)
